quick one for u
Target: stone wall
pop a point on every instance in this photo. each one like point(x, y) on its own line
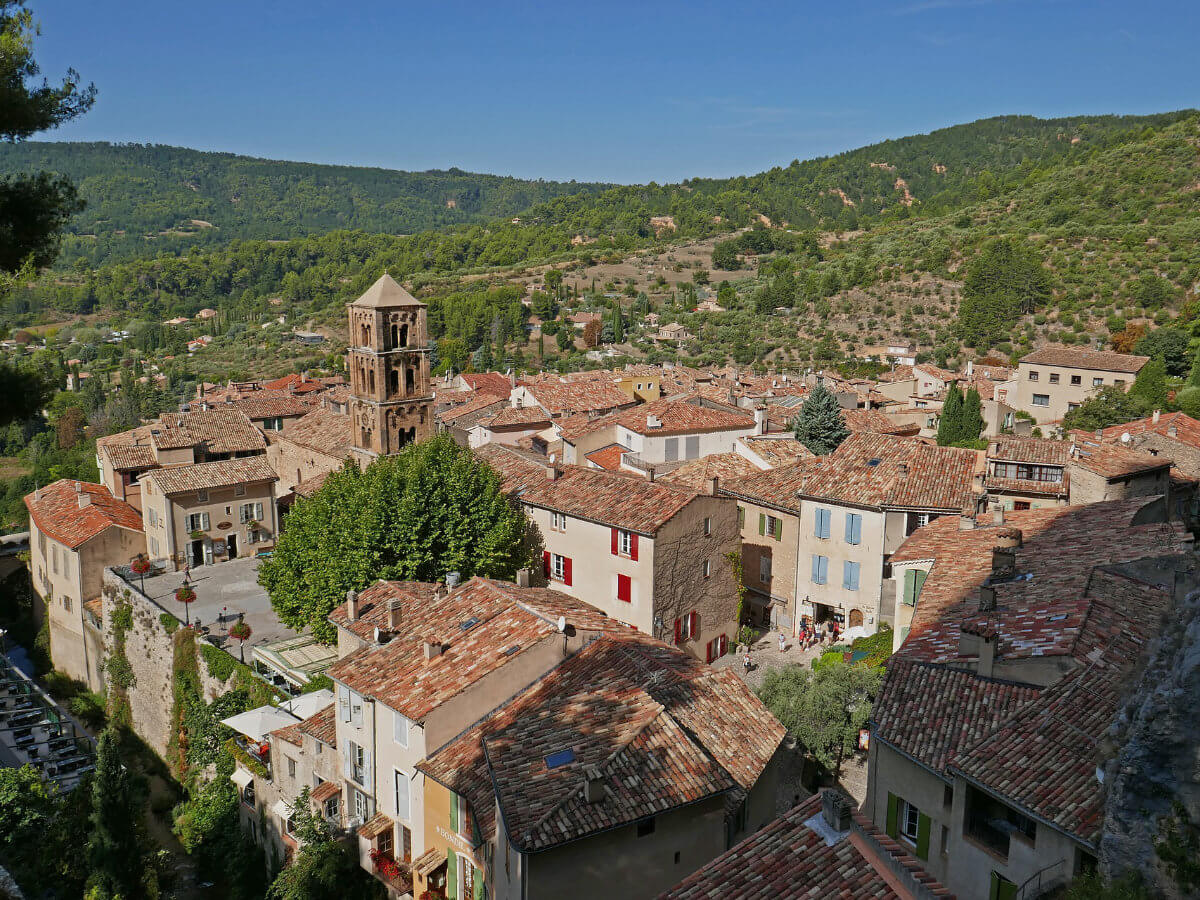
point(151, 652)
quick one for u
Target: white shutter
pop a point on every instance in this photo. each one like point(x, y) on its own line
point(366, 782)
point(258, 516)
point(344, 702)
point(399, 729)
point(204, 521)
point(347, 764)
point(356, 709)
point(402, 801)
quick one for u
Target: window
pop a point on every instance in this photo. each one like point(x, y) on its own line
point(66, 603)
point(458, 815)
point(1030, 472)
point(645, 827)
point(1054, 378)
point(821, 524)
point(558, 521)
point(770, 525)
point(671, 449)
point(558, 566)
point(741, 516)
point(1096, 382)
point(687, 628)
point(708, 568)
point(362, 806)
point(853, 528)
point(993, 824)
point(914, 579)
point(291, 767)
point(624, 588)
point(1119, 382)
point(820, 569)
point(1033, 376)
point(908, 820)
point(402, 801)
point(251, 512)
point(356, 710)
point(707, 525)
point(850, 575)
point(197, 522)
point(1077, 380)
point(624, 543)
point(331, 807)
point(239, 490)
point(1041, 399)
point(399, 729)
point(717, 647)
point(764, 570)
point(947, 796)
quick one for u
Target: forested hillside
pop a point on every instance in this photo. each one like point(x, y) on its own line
point(143, 199)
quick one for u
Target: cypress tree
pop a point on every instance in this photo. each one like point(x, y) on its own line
point(819, 425)
point(971, 417)
point(113, 852)
point(1150, 387)
point(1194, 377)
point(950, 423)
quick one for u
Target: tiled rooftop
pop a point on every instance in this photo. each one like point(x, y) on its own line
point(1099, 360)
point(1115, 460)
point(681, 416)
point(872, 420)
point(323, 430)
point(127, 457)
point(698, 473)
point(271, 404)
point(577, 397)
point(610, 498)
point(661, 729)
point(608, 456)
point(518, 469)
point(511, 416)
point(1175, 425)
point(56, 512)
point(219, 430)
point(776, 451)
point(495, 383)
point(212, 475)
point(1040, 451)
point(481, 625)
point(322, 726)
point(789, 860)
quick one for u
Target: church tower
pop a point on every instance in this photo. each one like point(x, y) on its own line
point(391, 403)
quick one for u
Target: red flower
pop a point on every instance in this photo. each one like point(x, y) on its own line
point(184, 594)
point(241, 631)
point(140, 566)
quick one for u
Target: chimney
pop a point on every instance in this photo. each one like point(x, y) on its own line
point(966, 520)
point(352, 605)
point(85, 499)
point(970, 367)
point(977, 482)
point(653, 421)
point(902, 469)
point(711, 485)
point(1172, 431)
point(452, 580)
point(394, 615)
point(593, 785)
point(998, 515)
point(553, 473)
point(1004, 563)
point(523, 578)
point(987, 655)
point(760, 420)
point(1154, 418)
point(433, 649)
point(835, 809)
point(1009, 538)
point(987, 598)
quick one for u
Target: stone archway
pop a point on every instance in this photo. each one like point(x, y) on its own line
point(856, 618)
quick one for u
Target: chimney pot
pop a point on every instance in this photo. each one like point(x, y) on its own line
point(1157, 414)
point(523, 578)
point(998, 515)
point(433, 649)
point(85, 499)
point(394, 615)
point(966, 520)
point(835, 809)
point(1172, 431)
point(987, 598)
point(452, 580)
point(352, 605)
point(987, 656)
point(713, 484)
point(593, 785)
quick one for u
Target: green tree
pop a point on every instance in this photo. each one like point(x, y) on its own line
point(1150, 386)
point(431, 509)
point(950, 420)
point(1111, 405)
point(825, 709)
point(1171, 345)
point(1194, 375)
point(819, 425)
point(325, 868)
point(114, 851)
point(1004, 281)
point(971, 417)
point(209, 828)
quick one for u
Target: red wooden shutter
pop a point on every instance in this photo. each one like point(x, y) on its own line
point(567, 570)
point(708, 653)
point(615, 535)
point(694, 624)
point(633, 547)
point(678, 631)
point(624, 589)
point(546, 563)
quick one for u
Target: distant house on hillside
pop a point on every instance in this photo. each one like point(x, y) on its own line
point(674, 332)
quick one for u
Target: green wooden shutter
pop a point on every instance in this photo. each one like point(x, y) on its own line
point(918, 582)
point(893, 811)
point(1001, 888)
point(454, 813)
point(909, 583)
point(477, 880)
point(778, 529)
point(451, 875)
point(762, 523)
point(923, 829)
point(741, 516)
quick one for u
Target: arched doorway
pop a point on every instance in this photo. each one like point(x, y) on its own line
point(856, 618)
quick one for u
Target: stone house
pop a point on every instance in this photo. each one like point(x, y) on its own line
point(651, 555)
point(311, 447)
point(75, 530)
point(1054, 380)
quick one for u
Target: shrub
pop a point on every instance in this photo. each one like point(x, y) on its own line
point(169, 623)
point(220, 665)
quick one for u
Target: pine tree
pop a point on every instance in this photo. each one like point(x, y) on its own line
point(819, 425)
point(950, 423)
point(114, 855)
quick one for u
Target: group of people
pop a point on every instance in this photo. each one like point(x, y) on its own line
point(811, 634)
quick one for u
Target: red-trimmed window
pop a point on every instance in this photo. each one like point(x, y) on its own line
point(560, 568)
point(624, 589)
point(687, 628)
point(546, 563)
point(679, 631)
point(717, 647)
point(624, 543)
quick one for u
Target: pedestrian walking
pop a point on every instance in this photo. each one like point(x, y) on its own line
point(746, 661)
point(782, 645)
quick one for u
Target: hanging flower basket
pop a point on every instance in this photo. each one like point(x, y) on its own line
point(185, 594)
point(140, 566)
point(240, 630)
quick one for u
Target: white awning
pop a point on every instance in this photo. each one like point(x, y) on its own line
point(241, 777)
point(282, 809)
point(308, 704)
point(256, 724)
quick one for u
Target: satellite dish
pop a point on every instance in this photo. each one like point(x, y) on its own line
point(562, 623)
point(1126, 438)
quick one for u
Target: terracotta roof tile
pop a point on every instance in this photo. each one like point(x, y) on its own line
point(608, 456)
point(56, 512)
point(1114, 460)
point(680, 416)
point(326, 790)
point(660, 729)
point(126, 457)
point(1100, 360)
point(1041, 451)
point(289, 733)
point(789, 860)
point(323, 430)
point(270, 404)
point(577, 397)
point(466, 415)
point(322, 725)
point(776, 451)
point(872, 420)
point(610, 498)
point(698, 473)
point(294, 383)
point(219, 430)
point(510, 416)
point(211, 475)
point(1177, 426)
point(489, 382)
point(518, 469)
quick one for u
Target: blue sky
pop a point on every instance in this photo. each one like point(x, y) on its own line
point(610, 91)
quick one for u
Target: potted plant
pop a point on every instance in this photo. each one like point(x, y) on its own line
point(385, 865)
point(197, 535)
point(139, 567)
point(185, 594)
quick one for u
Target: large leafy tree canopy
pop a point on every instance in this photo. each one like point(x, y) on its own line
point(1111, 405)
point(819, 425)
point(431, 509)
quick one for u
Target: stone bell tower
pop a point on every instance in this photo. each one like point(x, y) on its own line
point(391, 403)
